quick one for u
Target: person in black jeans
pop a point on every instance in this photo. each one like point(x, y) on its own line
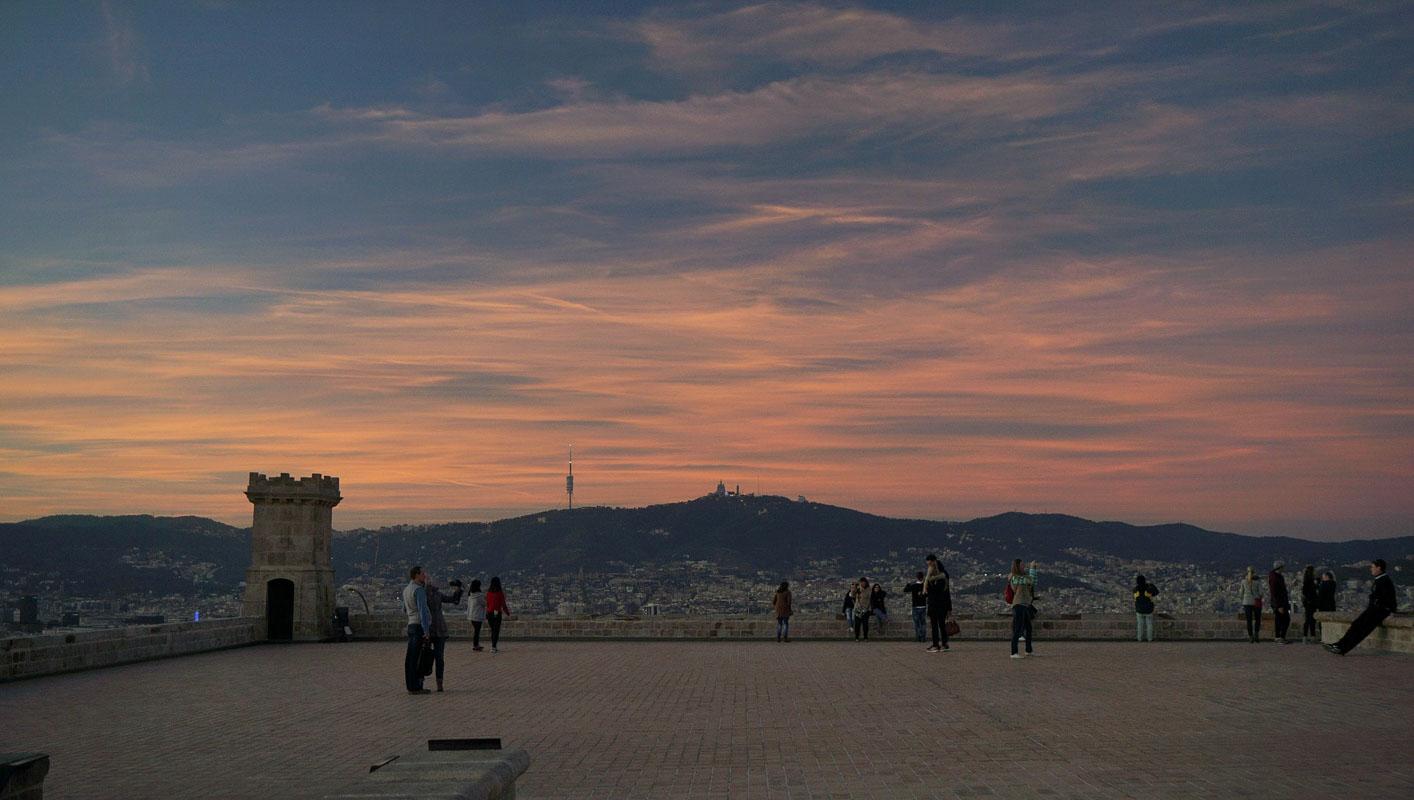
point(918, 605)
point(1023, 609)
point(938, 594)
point(1384, 600)
point(1281, 601)
point(1309, 603)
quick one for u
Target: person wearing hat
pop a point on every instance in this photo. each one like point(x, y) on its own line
point(1281, 601)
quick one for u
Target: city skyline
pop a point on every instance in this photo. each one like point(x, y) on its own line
point(1132, 263)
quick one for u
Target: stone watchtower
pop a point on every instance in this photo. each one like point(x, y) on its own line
point(291, 580)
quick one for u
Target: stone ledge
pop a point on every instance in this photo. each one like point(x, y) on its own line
point(443, 775)
point(1105, 627)
point(34, 656)
point(1395, 634)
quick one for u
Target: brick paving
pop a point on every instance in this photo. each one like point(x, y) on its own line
point(743, 719)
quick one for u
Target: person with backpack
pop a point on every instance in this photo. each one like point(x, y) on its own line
point(1023, 605)
point(1144, 593)
point(1250, 595)
point(476, 613)
point(1281, 602)
point(938, 595)
point(495, 608)
point(781, 602)
point(918, 603)
point(1309, 604)
point(862, 608)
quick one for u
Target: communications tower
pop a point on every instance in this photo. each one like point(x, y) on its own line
point(569, 480)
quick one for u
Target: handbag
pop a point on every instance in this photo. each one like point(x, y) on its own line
point(951, 626)
point(426, 657)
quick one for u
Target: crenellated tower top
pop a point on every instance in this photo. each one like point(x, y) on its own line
point(314, 489)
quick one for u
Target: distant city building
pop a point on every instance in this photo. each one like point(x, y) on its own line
point(721, 489)
point(801, 499)
point(571, 608)
point(649, 610)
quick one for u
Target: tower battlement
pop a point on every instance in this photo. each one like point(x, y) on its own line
point(316, 488)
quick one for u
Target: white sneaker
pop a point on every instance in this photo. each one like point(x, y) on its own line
point(1016, 655)
point(1032, 655)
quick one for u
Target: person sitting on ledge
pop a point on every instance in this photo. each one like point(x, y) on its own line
point(1383, 602)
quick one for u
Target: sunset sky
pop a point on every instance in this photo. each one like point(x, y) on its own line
point(1148, 262)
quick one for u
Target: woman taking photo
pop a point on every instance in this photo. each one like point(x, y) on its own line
point(1023, 608)
point(495, 608)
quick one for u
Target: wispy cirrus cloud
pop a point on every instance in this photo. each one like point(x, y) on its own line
point(1144, 264)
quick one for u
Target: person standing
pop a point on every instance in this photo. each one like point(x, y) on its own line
point(476, 612)
point(1023, 609)
point(1384, 600)
point(1325, 592)
point(780, 601)
point(435, 599)
point(1250, 593)
point(1309, 603)
point(848, 607)
point(1144, 593)
point(918, 602)
point(877, 605)
point(495, 608)
point(1281, 601)
point(937, 593)
point(419, 627)
point(862, 610)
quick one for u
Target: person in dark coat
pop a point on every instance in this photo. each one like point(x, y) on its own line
point(1309, 603)
point(1325, 592)
point(1281, 601)
point(918, 603)
point(1384, 600)
point(938, 594)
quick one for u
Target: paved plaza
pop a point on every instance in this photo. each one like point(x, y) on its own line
point(745, 719)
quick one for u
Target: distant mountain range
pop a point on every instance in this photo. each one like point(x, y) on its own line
point(744, 535)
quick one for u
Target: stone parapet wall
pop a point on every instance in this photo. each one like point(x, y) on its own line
point(33, 656)
point(1395, 634)
point(1075, 627)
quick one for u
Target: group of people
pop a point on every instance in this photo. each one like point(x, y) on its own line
point(864, 602)
point(930, 597)
point(427, 623)
point(1316, 595)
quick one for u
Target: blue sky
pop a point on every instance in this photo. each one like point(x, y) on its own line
point(1128, 261)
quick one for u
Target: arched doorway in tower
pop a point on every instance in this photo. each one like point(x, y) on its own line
point(280, 610)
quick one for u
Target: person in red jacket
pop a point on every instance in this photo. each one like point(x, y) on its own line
point(496, 608)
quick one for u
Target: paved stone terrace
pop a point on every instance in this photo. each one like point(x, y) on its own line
point(718, 719)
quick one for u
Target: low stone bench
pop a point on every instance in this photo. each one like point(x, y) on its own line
point(22, 775)
point(442, 775)
point(1395, 634)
